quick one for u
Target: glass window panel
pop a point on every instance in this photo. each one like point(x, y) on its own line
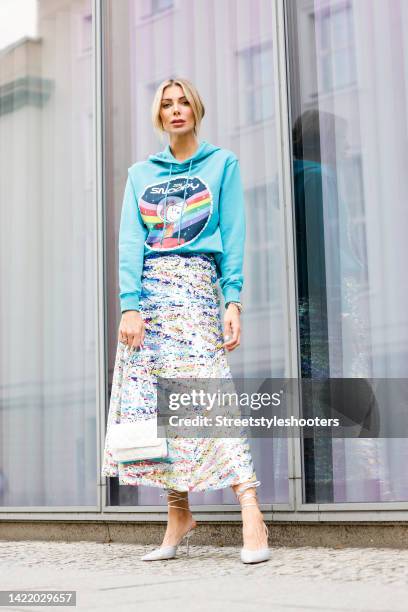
point(225, 73)
point(256, 64)
point(326, 73)
point(266, 61)
point(342, 67)
point(267, 101)
point(324, 30)
point(161, 5)
point(340, 26)
point(339, 67)
point(258, 106)
point(48, 268)
point(350, 192)
point(245, 72)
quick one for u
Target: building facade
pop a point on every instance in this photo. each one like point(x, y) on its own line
point(304, 92)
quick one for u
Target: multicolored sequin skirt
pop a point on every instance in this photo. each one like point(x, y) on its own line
point(183, 338)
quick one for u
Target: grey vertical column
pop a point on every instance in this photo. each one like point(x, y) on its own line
point(101, 308)
point(286, 191)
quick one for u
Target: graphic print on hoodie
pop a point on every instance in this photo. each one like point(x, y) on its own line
point(175, 211)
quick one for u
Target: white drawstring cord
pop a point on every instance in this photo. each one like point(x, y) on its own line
point(165, 206)
point(184, 200)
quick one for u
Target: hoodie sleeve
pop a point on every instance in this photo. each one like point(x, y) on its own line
point(132, 235)
point(233, 229)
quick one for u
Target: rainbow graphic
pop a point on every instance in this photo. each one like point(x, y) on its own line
point(175, 222)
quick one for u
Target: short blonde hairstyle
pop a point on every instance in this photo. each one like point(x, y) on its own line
point(190, 93)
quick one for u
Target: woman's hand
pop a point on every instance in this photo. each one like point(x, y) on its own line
point(232, 327)
point(132, 329)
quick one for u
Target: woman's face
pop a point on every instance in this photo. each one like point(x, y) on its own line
point(175, 111)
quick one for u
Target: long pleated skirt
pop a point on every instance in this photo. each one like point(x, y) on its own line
point(183, 338)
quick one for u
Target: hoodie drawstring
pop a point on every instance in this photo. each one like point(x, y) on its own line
point(165, 206)
point(184, 200)
point(165, 203)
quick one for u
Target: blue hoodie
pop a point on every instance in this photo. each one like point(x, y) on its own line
point(171, 206)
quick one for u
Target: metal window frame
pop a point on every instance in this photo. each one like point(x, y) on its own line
point(100, 191)
point(293, 511)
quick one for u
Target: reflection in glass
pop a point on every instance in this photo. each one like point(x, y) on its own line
point(47, 315)
point(347, 81)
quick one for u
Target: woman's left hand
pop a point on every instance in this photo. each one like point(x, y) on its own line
point(232, 327)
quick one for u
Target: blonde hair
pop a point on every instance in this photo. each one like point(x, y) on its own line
point(190, 93)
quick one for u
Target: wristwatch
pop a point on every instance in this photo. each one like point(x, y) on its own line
point(238, 305)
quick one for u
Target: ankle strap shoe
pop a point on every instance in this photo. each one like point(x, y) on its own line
point(246, 495)
point(169, 552)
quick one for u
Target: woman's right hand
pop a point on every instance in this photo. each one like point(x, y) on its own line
point(132, 329)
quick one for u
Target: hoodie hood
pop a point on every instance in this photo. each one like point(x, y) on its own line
point(166, 157)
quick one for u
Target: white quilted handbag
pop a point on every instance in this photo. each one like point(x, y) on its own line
point(137, 441)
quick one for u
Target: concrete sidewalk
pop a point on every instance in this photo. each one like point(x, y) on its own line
point(111, 577)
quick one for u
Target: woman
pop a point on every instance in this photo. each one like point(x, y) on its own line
point(182, 228)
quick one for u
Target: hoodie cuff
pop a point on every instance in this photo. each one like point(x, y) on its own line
point(231, 294)
point(129, 302)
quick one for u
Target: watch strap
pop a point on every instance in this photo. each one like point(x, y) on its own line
point(239, 305)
